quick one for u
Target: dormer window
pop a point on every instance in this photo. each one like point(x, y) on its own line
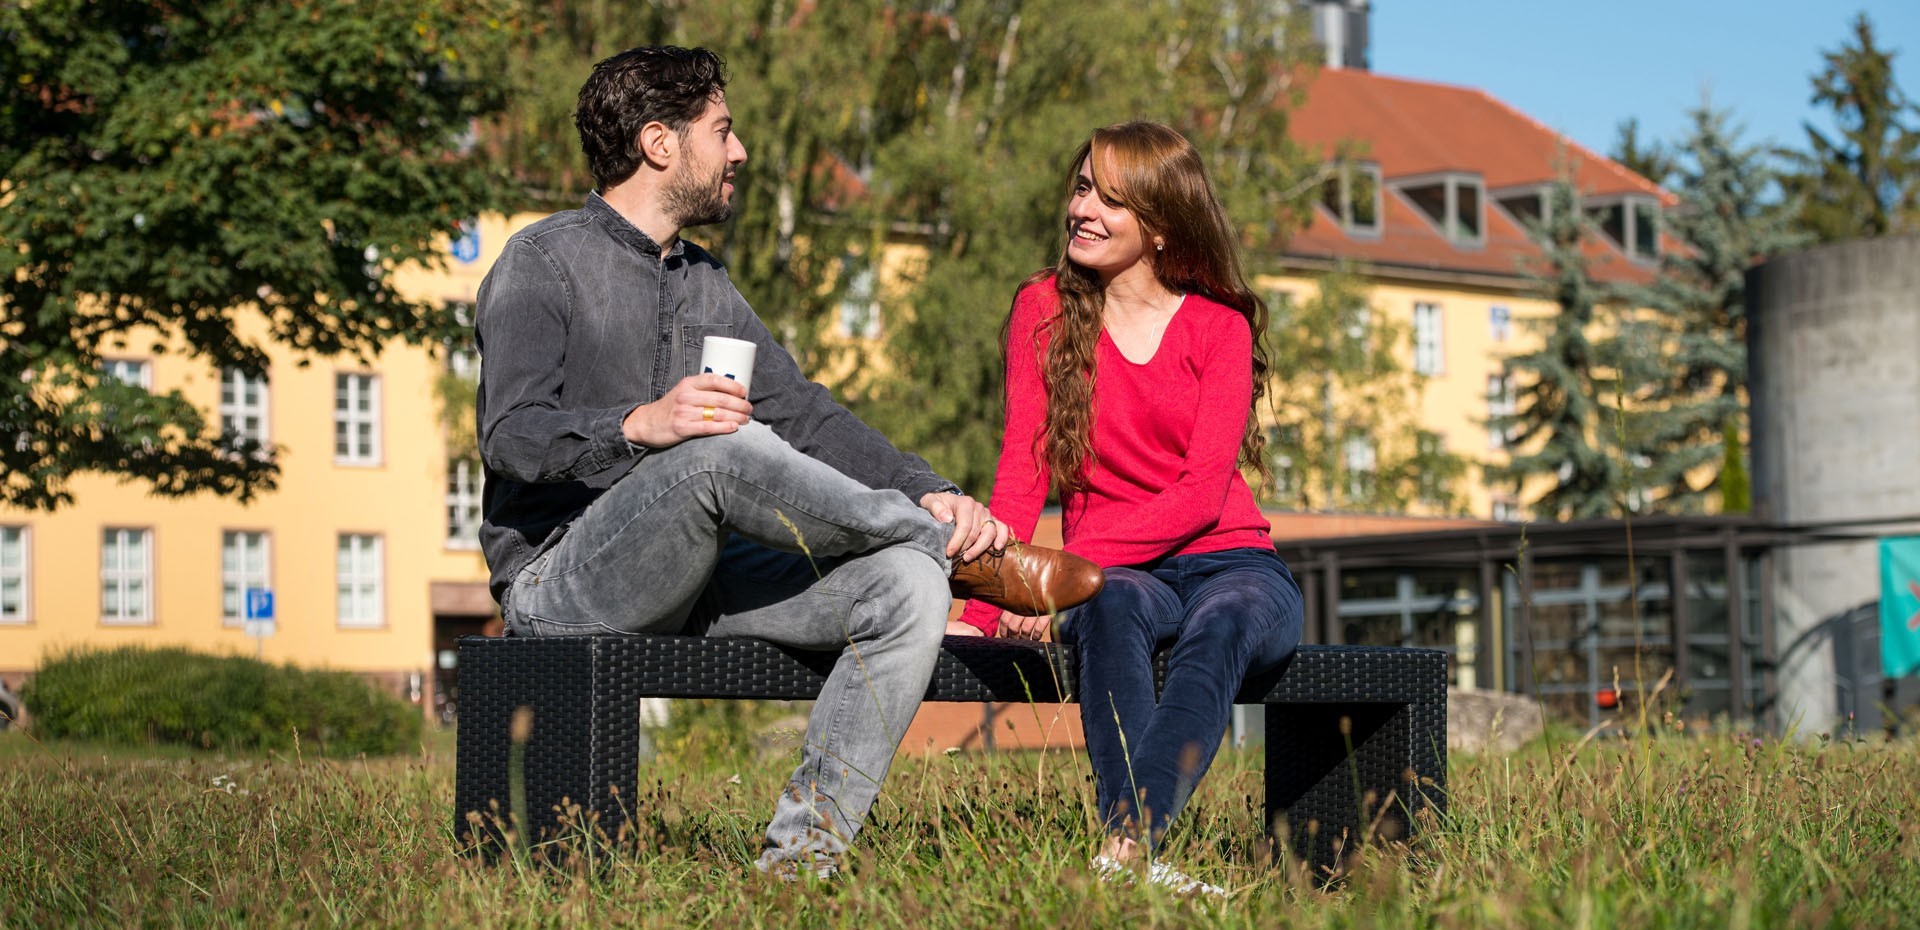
point(1456, 203)
point(1528, 205)
point(1352, 195)
point(1631, 223)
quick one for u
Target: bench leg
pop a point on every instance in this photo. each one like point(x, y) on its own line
point(1330, 799)
point(583, 742)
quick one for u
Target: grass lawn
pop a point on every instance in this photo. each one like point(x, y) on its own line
point(1676, 830)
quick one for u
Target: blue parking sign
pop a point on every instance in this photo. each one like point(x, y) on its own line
point(259, 603)
point(466, 248)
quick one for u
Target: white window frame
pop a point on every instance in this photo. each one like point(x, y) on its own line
point(1628, 204)
point(135, 371)
point(1341, 187)
point(1505, 508)
point(1500, 403)
point(1448, 224)
point(1362, 460)
point(126, 576)
point(1540, 194)
point(243, 399)
point(236, 575)
point(858, 314)
point(464, 482)
point(358, 430)
point(1429, 338)
point(463, 358)
point(360, 581)
point(16, 574)
point(1499, 322)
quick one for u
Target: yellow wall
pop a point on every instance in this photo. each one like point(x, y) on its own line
point(401, 498)
point(1453, 402)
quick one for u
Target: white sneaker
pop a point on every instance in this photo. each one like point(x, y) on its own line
point(1110, 869)
point(1182, 883)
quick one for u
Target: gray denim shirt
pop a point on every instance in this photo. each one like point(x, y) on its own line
point(581, 320)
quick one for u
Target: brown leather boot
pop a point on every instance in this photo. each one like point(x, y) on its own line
point(1028, 580)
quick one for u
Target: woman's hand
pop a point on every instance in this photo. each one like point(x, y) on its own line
point(1033, 629)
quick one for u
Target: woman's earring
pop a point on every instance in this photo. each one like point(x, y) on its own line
point(1159, 247)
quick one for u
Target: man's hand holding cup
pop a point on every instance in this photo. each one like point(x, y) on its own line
point(711, 403)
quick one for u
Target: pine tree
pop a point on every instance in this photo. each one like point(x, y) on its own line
point(169, 169)
point(1561, 427)
point(1866, 182)
point(1648, 159)
point(1690, 364)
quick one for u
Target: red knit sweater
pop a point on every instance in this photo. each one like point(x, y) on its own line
point(1166, 440)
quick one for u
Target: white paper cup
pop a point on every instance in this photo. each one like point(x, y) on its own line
point(730, 358)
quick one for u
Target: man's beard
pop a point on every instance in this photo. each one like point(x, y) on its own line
point(698, 201)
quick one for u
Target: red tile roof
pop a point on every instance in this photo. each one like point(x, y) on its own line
point(1412, 128)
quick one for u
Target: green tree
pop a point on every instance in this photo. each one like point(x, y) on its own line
point(1690, 362)
point(170, 170)
point(806, 90)
point(1342, 436)
point(1866, 181)
point(1648, 159)
point(1563, 426)
point(991, 107)
point(879, 129)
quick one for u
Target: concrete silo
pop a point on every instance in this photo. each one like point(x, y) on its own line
point(1834, 372)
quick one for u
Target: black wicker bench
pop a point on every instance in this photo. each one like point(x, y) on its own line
point(1355, 735)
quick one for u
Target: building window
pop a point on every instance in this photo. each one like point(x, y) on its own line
point(244, 558)
point(243, 405)
point(1352, 195)
point(1360, 461)
point(1505, 508)
point(1646, 228)
point(463, 358)
point(1429, 485)
point(1499, 323)
point(356, 419)
point(1530, 207)
point(1280, 309)
point(358, 569)
point(1454, 203)
point(859, 312)
point(133, 371)
point(126, 576)
point(1359, 322)
point(13, 574)
point(463, 504)
point(1429, 350)
point(1500, 410)
point(1631, 224)
point(1282, 443)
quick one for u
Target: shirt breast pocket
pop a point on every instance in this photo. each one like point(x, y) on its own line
point(692, 337)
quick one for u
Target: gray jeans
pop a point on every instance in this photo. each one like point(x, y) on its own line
point(742, 535)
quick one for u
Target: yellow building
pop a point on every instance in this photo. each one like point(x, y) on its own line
point(369, 547)
point(1431, 187)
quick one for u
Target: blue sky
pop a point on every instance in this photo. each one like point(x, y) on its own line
point(1582, 67)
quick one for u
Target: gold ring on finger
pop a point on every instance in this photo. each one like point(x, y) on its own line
point(706, 414)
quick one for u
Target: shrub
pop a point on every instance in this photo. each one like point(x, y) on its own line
point(138, 696)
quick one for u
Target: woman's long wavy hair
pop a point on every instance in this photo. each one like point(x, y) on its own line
point(1153, 171)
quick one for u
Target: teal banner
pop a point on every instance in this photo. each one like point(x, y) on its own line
point(1900, 606)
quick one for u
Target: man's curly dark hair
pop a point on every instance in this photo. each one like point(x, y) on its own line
point(638, 86)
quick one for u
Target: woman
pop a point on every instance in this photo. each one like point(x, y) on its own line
point(1132, 374)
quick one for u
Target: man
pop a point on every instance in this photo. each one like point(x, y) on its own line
point(626, 493)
